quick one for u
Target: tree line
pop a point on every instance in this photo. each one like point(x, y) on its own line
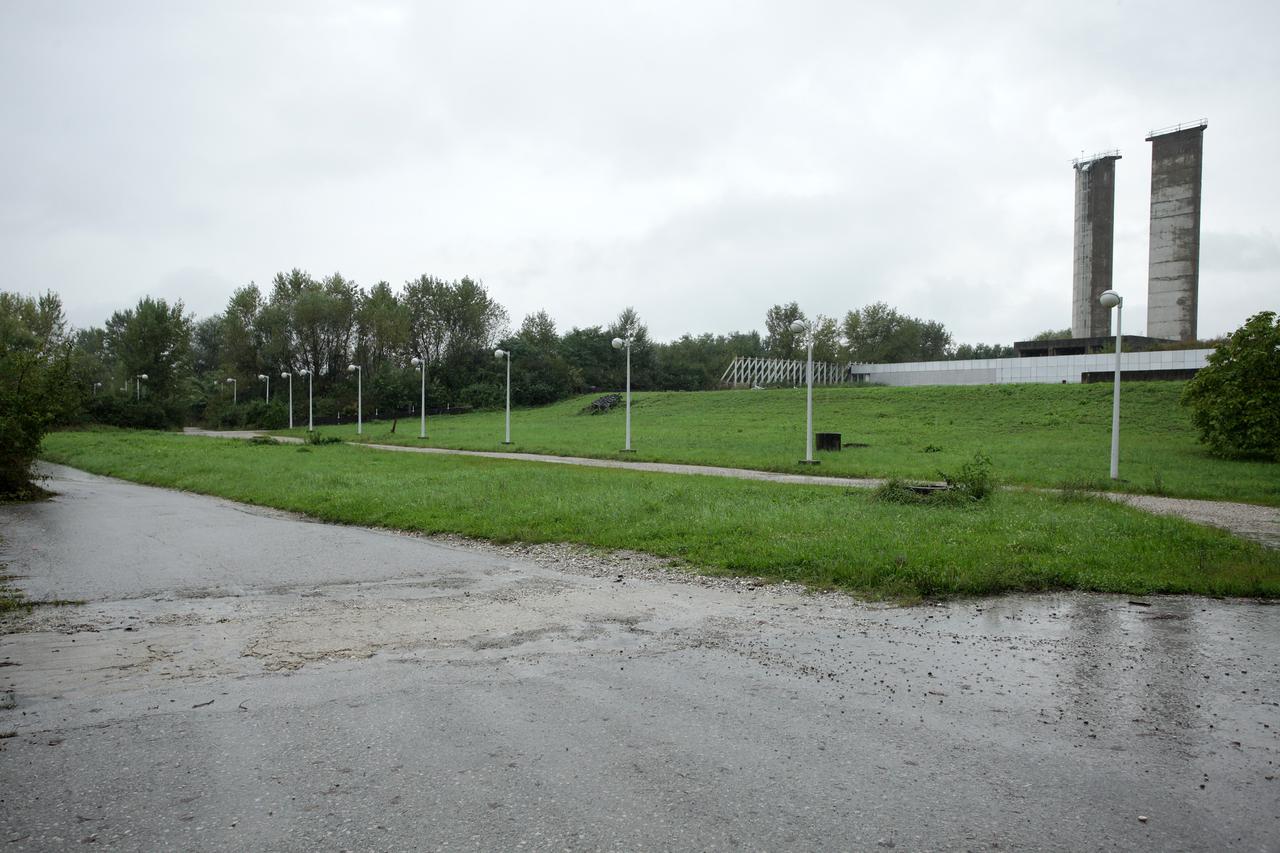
point(301, 324)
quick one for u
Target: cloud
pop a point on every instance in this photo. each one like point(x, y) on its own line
point(700, 162)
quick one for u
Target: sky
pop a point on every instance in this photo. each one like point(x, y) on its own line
point(700, 161)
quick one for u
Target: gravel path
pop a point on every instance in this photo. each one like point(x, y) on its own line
point(1258, 523)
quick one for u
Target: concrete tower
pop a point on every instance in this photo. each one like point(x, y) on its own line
point(1173, 271)
point(1095, 240)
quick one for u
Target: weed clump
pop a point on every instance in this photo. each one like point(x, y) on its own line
point(319, 438)
point(975, 479)
point(972, 484)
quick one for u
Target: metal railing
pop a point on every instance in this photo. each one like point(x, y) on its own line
point(1113, 154)
point(1203, 122)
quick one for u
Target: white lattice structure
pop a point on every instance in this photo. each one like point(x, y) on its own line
point(750, 372)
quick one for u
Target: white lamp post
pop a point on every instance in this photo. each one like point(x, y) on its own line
point(310, 422)
point(232, 382)
point(422, 402)
point(262, 377)
point(355, 368)
point(619, 343)
point(1111, 299)
point(502, 353)
point(289, 376)
point(96, 386)
point(142, 377)
point(800, 326)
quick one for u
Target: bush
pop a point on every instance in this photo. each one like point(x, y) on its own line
point(1235, 400)
point(34, 374)
point(112, 410)
point(483, 395)
point(975, 480)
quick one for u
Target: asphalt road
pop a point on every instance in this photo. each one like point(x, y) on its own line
point(243, 679)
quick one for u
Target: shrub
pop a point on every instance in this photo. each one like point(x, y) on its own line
point(975, 480)
point(1235, 400)
point(483, 395)
point(118, 411)
point(34, 382)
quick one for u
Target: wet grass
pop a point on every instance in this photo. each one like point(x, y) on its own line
point(1037, 435)
point(820, 535)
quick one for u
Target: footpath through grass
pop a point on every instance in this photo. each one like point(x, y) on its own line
point(813, 534)
point(1039, 435)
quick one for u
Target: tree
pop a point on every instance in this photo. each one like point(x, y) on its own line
point(35, 391)
point(644, 366)
point(539, 372)
point(153, 338)
point(779, 340)
point(1053, 335)
point(878, 334)
point(1235, 400)
point(965, 352)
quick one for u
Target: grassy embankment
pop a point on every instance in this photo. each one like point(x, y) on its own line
point(814, 534)
point(1040, 435)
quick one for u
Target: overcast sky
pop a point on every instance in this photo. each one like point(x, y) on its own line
point(698, 160)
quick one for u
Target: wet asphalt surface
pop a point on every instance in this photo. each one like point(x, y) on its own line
point(242, 679)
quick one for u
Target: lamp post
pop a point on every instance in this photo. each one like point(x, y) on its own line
point(141, 377)
point(355, 368)
point(310, 426)
point(619, 343)
point(289, 376)
point(799, 326)
point(1111, 299)
point(96, 386)
point(502, 353)
point(234, 392)
point(422, 402)
point(262, 377)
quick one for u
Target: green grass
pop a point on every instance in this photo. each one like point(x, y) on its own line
point(818, 535)
point(1040, 435)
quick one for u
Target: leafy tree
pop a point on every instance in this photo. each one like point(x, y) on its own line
point(779, 340)
point(383, 327)
point(540, 374)
point(152, 338)
point(1235, 400)
point(826, 339)
point(878, 334)
point(965, 352)
point(644, 367)
point(696, 363)
point(35, 387)
point(1053, 335)
point(592, 356)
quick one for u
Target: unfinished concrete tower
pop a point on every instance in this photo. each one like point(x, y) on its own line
point(1095, 241)
point(1173, 271)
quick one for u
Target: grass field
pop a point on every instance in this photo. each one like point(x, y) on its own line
point(1042, 435)
point(814, 534)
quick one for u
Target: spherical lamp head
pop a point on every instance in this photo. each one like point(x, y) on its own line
point(415, 361)
point(1109, 299)
point(143, 376)
point(284, 375)
point(351, 368)
point(619, 343)
point(798, 326)
point(262, 376)
point(498, 353)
